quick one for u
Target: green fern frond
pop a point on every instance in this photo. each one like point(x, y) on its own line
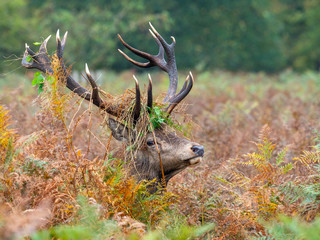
point(286, 168)
point(305, 194)
point(291, 193)
point(281, 155)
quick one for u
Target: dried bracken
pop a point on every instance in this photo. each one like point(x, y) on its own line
point(262, 143)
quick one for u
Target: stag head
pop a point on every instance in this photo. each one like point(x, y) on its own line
point(162, 153)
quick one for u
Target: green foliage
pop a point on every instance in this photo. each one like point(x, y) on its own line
point(287, 228)
point(158, 117)
point(179, 232)
point(38, 81)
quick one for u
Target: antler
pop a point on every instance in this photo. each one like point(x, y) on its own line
point(42, 62)
point(168, 66)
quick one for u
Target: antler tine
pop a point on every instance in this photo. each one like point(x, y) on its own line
point(159, 60)
point(137, 107)
point(61, 44)
point(29, 51)
point(139, 64)
point(160, 54)
point(139, 53)
point(149, 100)
point(64, 40)
point(40, 60)
point(43, 46)
point(168, 48)
point(181, 95)
point(95, 91)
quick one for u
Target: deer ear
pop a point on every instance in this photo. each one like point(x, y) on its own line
point(120, 131)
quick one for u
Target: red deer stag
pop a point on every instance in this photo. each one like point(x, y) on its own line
point(162, 155)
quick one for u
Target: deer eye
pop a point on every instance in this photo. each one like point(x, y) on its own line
point(150, 142)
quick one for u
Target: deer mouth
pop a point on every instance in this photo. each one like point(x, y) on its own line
point(194, 160)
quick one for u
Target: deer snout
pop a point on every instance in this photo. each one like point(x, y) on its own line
point(199, 150)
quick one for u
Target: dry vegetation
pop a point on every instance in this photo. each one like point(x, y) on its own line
point(59, 173)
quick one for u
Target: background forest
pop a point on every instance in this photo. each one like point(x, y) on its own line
point(246, 35)
point(254, 107)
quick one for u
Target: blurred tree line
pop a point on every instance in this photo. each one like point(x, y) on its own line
point(235, 35)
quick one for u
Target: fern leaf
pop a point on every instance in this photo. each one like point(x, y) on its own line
point(309, 157)
point(281, 155)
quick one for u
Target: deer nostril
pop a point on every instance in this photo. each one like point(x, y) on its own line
point(199, 150)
